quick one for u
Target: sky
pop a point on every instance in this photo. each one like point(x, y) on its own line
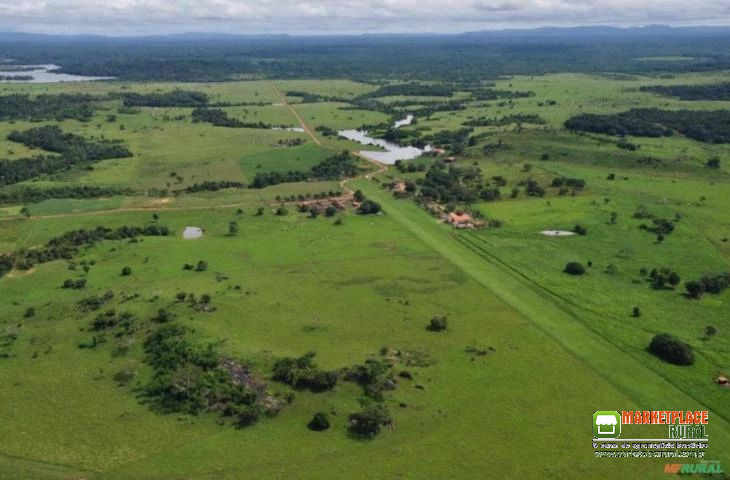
point(134, 17)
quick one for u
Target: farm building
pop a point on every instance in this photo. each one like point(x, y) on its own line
point(460, 220)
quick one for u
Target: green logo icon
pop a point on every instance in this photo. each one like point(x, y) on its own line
point(606, 424)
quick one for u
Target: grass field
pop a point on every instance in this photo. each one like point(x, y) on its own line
point(561, 347)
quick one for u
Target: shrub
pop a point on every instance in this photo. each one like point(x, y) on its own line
point(574, 268)
point(438, 323)
point(303, 373)
point(369, 207)
point(319, 422)
point(671, 349)
point(367, 423)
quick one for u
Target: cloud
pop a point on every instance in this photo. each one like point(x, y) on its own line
point(342, 16)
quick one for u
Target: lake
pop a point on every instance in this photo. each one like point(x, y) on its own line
point(391, 151)
point(43, 74)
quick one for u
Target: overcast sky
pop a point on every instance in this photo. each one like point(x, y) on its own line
point(124, 17)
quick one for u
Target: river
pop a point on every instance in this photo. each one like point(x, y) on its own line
point(391, 151)
point(43, 74)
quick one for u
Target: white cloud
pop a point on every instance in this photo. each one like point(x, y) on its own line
point(342, 16)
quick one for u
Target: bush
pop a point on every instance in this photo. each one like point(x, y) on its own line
point(367, 423)
point(580, 230)
point(369, 207)
point(574, 268)
point(319, 422)
point(303, 373)
point(126, 271)
point(438, 323)
point(671, 349)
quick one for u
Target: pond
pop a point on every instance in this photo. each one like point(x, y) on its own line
point(42, 74)
point(192, 233)
point(391, 151)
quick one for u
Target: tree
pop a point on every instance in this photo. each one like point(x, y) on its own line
point(369, 207)
point(713, 163)
point(259, 211)
point(233, 228)
point(673, 279)
point(29, 312)
point(126, 271)
point(694, 289)
point(438, 323)
point(671, 349)
point(319, 422)
point(580, 230)
point(359, 196)
point(367, 423)
point(313, 212)
point(636, 312)
point(281, 211)
point(202, 266)
point(330, 211)
point(710, 331)
point(574, 268)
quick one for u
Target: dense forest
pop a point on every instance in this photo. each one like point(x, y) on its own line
point(709, 126)
point(719, 91)
point(47, 107)
point(466, 57)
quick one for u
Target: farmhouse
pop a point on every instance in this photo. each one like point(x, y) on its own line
point(399, 187)
point(460, 220)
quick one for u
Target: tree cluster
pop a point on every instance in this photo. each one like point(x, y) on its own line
point(671, 349)
point(303, 373)
point(709, 126)
point(332, 168)
point(47, 107)
point(714, 284)
point(175, 98)
point(717, 91)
